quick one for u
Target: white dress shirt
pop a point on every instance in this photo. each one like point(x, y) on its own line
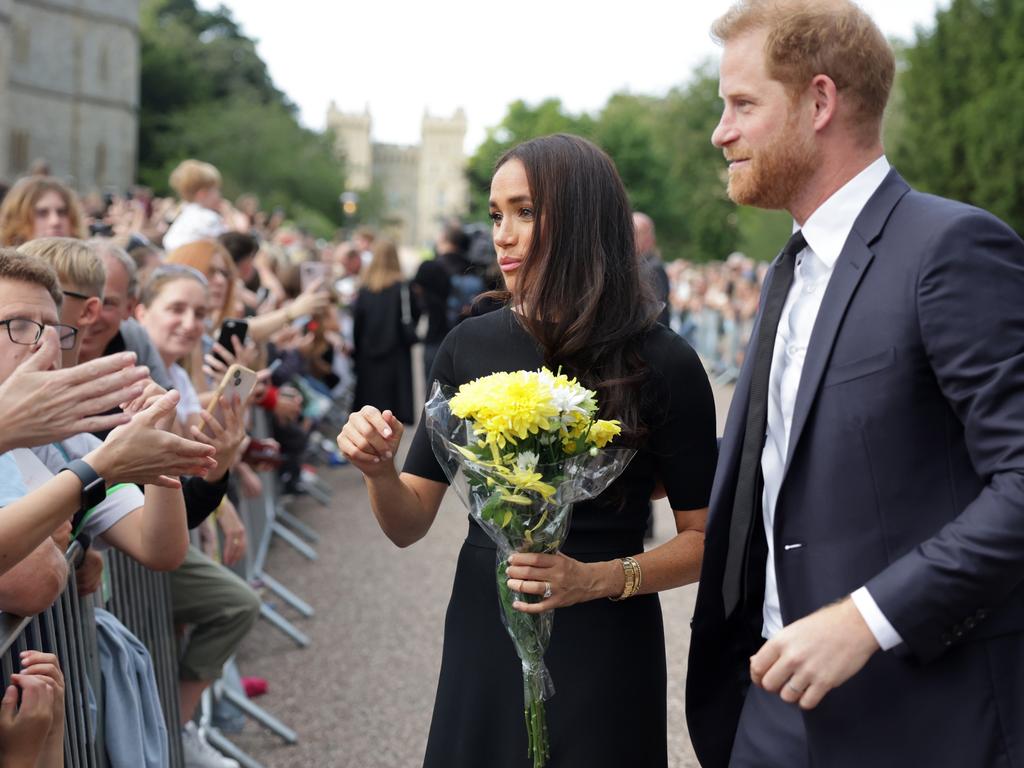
point(826, 232)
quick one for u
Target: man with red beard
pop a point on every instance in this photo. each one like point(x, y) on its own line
point(861, 601)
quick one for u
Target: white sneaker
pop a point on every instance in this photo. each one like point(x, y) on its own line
point(199, 754)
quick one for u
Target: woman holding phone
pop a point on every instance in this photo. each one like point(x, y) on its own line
point(563, 233)
point(173, 308)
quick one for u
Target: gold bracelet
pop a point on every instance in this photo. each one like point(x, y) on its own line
point(634, 577)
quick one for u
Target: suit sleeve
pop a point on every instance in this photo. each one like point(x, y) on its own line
point(970, 303)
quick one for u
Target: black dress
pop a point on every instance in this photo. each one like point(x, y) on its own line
point(382, 356)
point(607, 659)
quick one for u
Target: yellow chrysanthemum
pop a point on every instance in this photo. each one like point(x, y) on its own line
point(506, 407)
point(603, 432)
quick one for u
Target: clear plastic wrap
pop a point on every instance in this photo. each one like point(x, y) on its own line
point(520, 520)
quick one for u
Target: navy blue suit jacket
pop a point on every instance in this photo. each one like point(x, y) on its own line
point(905, 473)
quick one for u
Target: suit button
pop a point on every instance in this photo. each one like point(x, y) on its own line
point(980, 614)
point(970, 623)
point(958, 633)
point(946, 640)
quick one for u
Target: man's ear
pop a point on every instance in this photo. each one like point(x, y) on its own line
point(825, 94)
point(90, 312)
point(139, 312)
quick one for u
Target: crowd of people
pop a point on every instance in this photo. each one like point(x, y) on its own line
point(129, 325)
point(136, 307)
point(857, 523)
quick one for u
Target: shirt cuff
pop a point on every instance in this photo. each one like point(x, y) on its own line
point(884, 632)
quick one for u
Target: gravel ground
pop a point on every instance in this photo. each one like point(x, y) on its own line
point(361, 695)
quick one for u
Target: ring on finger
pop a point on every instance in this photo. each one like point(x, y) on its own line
point(793, 688)
point(547, 589)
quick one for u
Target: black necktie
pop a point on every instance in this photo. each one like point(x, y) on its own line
point(749, 482)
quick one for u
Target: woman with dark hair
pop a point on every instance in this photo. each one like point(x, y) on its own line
point(563, 234)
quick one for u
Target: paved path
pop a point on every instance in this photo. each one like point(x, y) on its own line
point(361, 695)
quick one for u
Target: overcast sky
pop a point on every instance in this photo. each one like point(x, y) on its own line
point(401, 58)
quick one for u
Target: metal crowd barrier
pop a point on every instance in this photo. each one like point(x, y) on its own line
point(67, 629)
point(263, 521)
point(720, 341)
point(141, 600)
point(262, 518)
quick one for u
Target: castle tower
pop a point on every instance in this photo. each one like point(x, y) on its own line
point(443, 191)
point(352, 141)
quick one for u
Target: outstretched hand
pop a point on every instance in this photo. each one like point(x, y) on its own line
point(142, 452)
point(370, 439)
point(39, 405)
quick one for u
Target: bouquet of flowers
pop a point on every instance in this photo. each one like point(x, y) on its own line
point(520, 448)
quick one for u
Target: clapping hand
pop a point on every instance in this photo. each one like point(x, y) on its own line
point(150, 394)
point(39, 405)
point(142, 452)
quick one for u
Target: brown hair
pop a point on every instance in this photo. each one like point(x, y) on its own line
point(820, 37)
point(17, 212)
point(193, 176)
point(152, 281)
point(385, 269)
point(581, 275)
point(29, 269)
point(75, 262)
point(199, 255)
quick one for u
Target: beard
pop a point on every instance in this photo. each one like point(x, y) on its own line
point(774, 175)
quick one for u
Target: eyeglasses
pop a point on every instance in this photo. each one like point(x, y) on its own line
point(21, 330)
point(76, 295)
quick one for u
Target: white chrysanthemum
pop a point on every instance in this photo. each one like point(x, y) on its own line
point(527, 461)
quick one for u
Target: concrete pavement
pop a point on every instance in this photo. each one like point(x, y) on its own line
point(361, 695)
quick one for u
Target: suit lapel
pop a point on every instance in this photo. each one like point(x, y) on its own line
point(850, 268)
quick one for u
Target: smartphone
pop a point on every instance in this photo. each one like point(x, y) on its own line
point(238, 380)
point(231, 329)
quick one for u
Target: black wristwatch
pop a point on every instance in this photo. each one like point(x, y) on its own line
point(94, 488)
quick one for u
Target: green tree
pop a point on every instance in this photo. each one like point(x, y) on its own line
point(961, 100)
point(207, 94)
point(662, 149)
point(627, 130)
point(522, 122)
point(702, 222)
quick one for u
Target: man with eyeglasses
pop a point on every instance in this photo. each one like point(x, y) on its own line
point(138, 452)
